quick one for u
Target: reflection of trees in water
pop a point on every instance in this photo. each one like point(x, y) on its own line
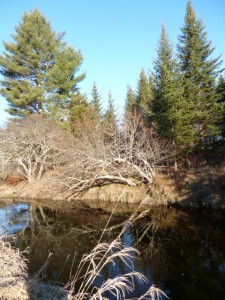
point(67, 236)
point(185, 250)
point(179, 249)
point(13, 218)
point(153, 235)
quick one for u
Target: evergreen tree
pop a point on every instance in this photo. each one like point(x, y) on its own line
point(38, 68)
point(168, 104)
point(110, 119)
point(221, 88)
point(221, 94)
point(95, 102)
point(130, 101)
point(62, 82)
point(144, 96)
point(199, 72)
point(142, 92)
point(149, 106)
point(78, 106)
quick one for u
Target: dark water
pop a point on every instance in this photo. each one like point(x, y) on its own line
point(182, 252)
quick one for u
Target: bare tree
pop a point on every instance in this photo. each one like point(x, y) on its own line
point(32, 145)
point(131, 155)
point(95, 154)
point(4, 163)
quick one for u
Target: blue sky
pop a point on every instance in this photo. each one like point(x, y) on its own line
point(116, 37)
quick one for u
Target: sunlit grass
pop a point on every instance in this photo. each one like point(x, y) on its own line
point(120, 286)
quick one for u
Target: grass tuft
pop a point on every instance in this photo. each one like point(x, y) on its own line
point(120, 286)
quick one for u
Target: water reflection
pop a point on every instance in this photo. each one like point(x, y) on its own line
point(13, 218)
point(186, 251)
point(183, 252)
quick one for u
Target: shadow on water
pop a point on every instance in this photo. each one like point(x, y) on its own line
point(182, 252)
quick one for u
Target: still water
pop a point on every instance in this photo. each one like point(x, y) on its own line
point(182, 252)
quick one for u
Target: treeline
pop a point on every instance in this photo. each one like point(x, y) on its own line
point(177, 109)
point(183, 97)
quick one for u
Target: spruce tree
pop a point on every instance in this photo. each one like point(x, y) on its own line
point(199, 71)
point(144, 97)
point(142, 92)
point(110, 120)
point(221, 88)
point(78, 106)
point(221, 94)
point(168, 104)
point(95, 102)
point(38, 68)
point(130, 101)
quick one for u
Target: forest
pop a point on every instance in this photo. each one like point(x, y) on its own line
point(167, 149)
point(175, 113)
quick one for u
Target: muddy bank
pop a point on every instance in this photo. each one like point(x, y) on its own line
point(48, 189)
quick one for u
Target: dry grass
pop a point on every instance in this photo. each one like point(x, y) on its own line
point(102, 255)
point(15, 284)
point(13, 273)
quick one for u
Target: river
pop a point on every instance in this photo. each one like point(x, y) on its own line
point(181, 251)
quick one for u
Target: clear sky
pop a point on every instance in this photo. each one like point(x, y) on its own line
point(116, 37)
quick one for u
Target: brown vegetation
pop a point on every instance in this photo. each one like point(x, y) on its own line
point(103, 154)
point(101, 160)
point(13, 273)
point(15, 284)
point(13, 179)
point(95, 154)
point(30, 146)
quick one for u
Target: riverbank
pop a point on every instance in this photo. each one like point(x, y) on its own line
point(15, 284)
point(201, 185)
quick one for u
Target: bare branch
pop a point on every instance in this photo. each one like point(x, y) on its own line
point(129, 156)
point(33, 145)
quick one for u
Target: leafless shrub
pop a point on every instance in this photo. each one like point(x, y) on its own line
point(126, 155)
point(140, 150)
point(32, 145)
point(4, 163)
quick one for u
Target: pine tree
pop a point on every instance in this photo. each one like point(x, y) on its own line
point(168, 105)
point(199, 72)
point(38, 68)
point(95, 102)
point(62, 82)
